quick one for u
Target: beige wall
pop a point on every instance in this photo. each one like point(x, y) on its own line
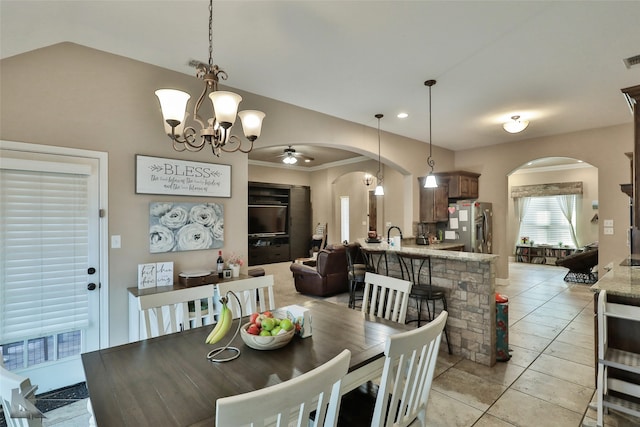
point(603, 148)
point(586, 231)
point(279, 175)
point(72, 96)
point(83, 98)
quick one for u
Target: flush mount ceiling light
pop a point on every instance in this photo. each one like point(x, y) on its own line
point(430, 182)
point(214, 131)
point(515, 125)
point(379, 191)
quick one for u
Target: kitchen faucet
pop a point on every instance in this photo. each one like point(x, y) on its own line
point(389, 233)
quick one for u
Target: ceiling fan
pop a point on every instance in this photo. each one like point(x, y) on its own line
point(290, 156)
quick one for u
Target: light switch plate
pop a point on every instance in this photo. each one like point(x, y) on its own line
point(115, 242)
point(608, 223)
point(608, 230)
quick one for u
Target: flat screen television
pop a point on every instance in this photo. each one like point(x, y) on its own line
point(267, 219)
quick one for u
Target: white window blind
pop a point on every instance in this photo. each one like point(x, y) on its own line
point(544, 223)
point(43, 253)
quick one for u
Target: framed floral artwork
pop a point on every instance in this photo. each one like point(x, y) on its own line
point(178, 226)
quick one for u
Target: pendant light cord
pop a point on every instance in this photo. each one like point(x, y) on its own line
point(379, 116)
point(430, 160)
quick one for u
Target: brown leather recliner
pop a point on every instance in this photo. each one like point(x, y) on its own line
point(329, 277)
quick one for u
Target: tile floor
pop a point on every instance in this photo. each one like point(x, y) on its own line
point(549, 380)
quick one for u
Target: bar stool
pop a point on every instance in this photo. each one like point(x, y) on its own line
point(373, 258)
point(357, 268)
point(411, 268)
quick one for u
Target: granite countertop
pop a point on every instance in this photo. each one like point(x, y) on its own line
point(438, 250)
point(622, 280)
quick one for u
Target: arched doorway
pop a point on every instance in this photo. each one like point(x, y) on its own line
point(546, 174)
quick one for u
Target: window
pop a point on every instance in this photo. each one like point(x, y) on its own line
point(545, 223)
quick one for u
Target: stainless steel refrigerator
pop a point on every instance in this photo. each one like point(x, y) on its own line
point(470, 222)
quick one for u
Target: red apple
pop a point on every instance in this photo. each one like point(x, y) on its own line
point(253, 317)
point(253, 329)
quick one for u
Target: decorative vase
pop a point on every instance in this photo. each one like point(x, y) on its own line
point(235, 269)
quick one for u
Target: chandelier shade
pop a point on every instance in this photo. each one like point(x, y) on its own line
point(215, 131)
point(225, 105)
point(173, 103)
point(251, 123)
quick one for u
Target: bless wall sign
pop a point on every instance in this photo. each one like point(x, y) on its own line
point(155, 175)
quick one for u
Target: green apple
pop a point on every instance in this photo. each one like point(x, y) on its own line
point(264, 333)
point(275, 331)
point(268, 324)
point(286, 324)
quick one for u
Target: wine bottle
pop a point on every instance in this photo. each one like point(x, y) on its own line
point(220, 264)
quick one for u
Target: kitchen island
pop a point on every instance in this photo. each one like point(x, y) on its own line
point(470, 278)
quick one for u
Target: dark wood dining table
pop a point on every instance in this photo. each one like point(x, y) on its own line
point(168, 381)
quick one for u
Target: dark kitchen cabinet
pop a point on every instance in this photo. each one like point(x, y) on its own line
point(462, 184)
point(434, 201)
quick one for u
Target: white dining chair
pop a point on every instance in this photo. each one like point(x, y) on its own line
point(169, 312)
point(386, 297)
point(410, 361)
point(255, 294)
point(290, 402)
point(17, 397)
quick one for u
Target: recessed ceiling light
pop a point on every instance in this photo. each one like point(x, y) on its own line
point(529, 164)
point(402, 115)
point(580, 161)
point(307, 160)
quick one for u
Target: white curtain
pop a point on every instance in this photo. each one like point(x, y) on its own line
point(521, 205)
point(568, 206)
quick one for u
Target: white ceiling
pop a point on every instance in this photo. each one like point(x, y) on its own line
point(557, 63)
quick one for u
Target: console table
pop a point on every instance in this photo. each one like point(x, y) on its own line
point(541, 254)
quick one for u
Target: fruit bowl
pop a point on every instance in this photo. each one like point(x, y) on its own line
point(258, 342)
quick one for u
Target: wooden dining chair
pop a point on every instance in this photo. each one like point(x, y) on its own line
point(386, 297)
point(291, 402)
point(405, 384)
point(255, 294)
point(169, 312)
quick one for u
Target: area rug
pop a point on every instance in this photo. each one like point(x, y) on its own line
point(55, 399)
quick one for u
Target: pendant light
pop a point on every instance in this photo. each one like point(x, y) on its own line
point(379, 189)
point(430, 182)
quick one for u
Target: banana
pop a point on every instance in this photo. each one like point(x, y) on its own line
point(222, 327)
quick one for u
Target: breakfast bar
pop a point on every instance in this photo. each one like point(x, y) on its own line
point(470, 279)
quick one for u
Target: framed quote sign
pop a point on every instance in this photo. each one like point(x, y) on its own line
point(156, 175)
